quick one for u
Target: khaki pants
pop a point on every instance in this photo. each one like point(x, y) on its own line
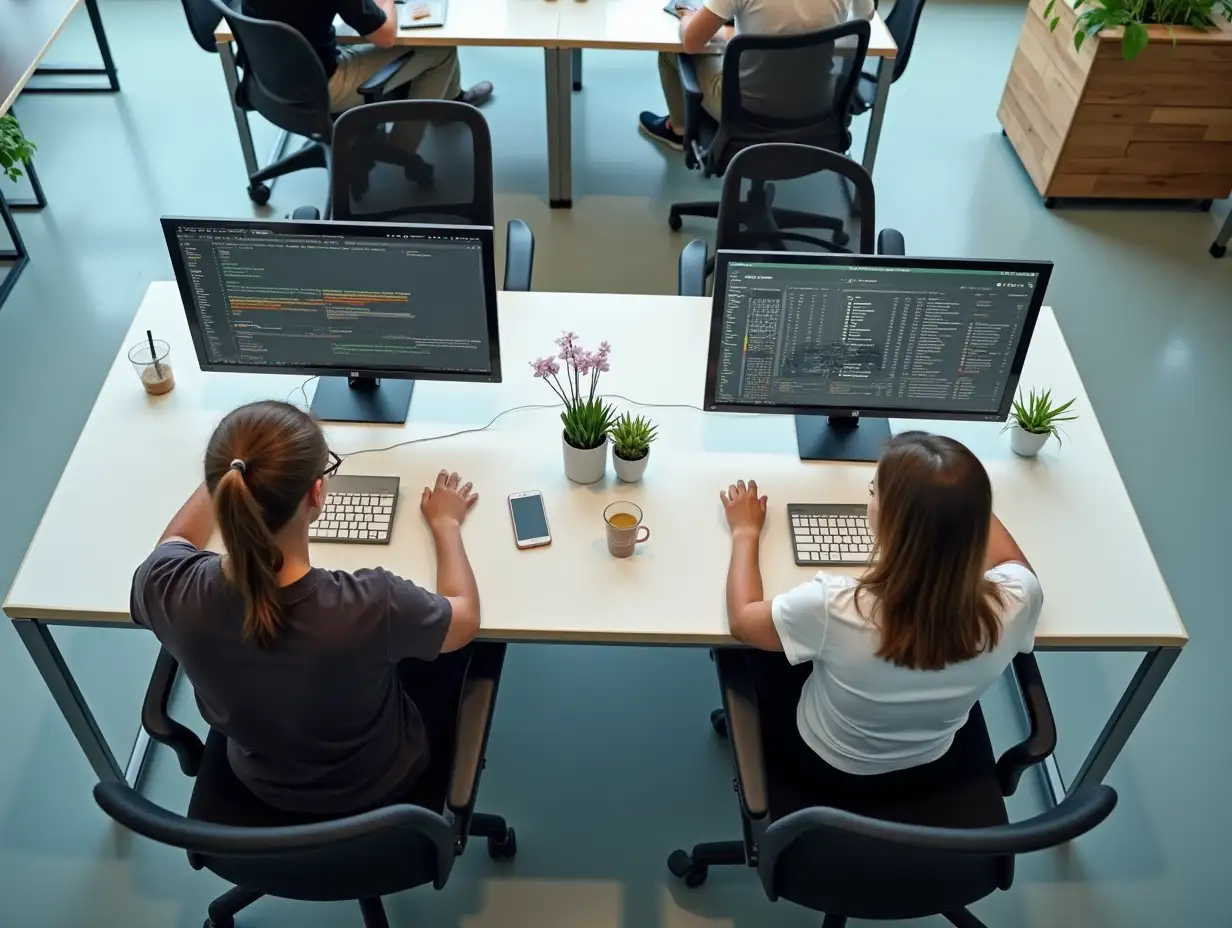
point(709, 75)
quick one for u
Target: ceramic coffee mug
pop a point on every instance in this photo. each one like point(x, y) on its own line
point(624, 528)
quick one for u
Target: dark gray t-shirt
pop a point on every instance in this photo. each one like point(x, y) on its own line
point(318, 722)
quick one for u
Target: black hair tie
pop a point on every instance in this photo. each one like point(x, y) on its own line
point(239, 465)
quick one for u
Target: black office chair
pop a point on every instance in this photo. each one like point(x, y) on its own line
point(284, 81)
point(203, 18)
point(454, 187)
point(912, 858)
point(266, 852)
point(902, 22)
point(806, 83)
point(749, 219)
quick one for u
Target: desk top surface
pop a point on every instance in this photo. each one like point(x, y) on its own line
point(632, 24)
point(138, 459)
point(27, 29)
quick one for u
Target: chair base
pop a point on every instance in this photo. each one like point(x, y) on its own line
point(961, 918)
point(763, 222)
point(693, 867)
point(222, 910)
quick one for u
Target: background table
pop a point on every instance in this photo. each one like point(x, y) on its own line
point(1069, 510)
point(560, 28)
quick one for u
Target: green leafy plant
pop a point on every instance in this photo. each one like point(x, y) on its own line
point(632, 435)
point(15, 148)
point(587, 418)
point(1094, 16)
point(1037, 415)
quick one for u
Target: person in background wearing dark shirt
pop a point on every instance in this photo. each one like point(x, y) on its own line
point(433, 71)
point(331, 688)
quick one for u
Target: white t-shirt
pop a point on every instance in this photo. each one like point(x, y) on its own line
point(865, 715)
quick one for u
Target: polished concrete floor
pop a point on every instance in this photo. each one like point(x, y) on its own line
point(603, 758)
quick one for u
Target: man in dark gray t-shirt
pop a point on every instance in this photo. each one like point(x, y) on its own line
point(319, 723)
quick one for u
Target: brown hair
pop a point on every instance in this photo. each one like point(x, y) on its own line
point(934, 606)
point(280, 453)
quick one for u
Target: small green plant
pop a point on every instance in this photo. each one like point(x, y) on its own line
point(587, 418)
point(1094, 16)
point(1037, 415)
point(15, 148)
point(632, 435)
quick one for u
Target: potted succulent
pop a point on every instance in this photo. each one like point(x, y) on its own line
point(15, 148)
point(587, 419)
point(631, 438)
point(1034, 420)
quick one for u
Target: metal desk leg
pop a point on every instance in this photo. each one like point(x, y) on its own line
point(558, 76)
point(577, 69)
point(885, 77)
point(1220, 246)
point(17, 255)
point(231, 74)
point(104, 49)
point(1137, 696)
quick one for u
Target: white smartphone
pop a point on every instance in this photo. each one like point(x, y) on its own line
point(530, 520)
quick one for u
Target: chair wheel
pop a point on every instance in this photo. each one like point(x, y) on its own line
point(210, 923)
point(674, 222)
point(718, 721)
point(259, 193)
point(681, 865)
point(1218, 251)
point(503, 848)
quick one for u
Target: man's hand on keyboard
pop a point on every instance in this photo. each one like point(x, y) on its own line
point(746, 511)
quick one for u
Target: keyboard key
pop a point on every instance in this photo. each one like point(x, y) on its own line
point(853, 557)
point(331, 533)
point(382, 518)
point(807, 547)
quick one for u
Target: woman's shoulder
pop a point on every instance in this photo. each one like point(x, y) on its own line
point(1021, 593)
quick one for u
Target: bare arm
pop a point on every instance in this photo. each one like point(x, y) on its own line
point(445, 507)
point(195, 520)
point(1002, 548)
point(388, 33)
point(748, 614)
point(697, 28)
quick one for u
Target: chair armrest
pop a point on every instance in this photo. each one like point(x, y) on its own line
point(890, 242)
point(691, 269)
point(474, 722)
point(160, 726)
point(1042, 739)
point(695, 155)
point(519, 255)
point(306, 212)
point(743, 729)
point(374, 87)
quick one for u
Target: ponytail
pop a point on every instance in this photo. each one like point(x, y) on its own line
point(254, 559)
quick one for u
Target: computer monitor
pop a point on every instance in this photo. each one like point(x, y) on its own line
point(368, 307)
point(847, 341)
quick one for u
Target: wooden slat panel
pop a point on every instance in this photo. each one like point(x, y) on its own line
point(1154, 133)
point(1221, 133)
point(1191, 116)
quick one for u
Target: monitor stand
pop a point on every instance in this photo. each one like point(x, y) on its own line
point(841, 438)
point(362, 399)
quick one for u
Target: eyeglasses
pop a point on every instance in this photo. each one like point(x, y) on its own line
point(872, 488)
point(334, 463)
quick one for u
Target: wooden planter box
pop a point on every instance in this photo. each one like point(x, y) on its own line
point(1090, 124)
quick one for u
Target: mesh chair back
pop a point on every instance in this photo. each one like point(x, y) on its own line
point(902, 22)
point(203, 18)
point(772, 191)
point(284, 80)
point(835, 861)
point(376, 853)
point(452, 139)
point(790, 88)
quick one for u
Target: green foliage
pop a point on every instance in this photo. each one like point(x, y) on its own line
point(15, 148)
point(587, 422)
point(1134, 16)
point(1036, 413)
point(632, 436)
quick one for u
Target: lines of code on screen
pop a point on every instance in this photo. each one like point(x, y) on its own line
point(359, 303)
point(928, 339)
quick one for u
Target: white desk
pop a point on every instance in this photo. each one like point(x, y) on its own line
point(1069, 510)
point(562, 28)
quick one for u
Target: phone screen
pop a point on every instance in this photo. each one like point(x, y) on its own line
point(529, 519)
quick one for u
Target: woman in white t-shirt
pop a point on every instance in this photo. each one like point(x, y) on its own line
point(886, 668)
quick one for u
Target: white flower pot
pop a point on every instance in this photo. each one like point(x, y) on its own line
point(584, 465)
point(629, 471)
point(1026, 444)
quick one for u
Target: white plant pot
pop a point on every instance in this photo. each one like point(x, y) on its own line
point(1026, 444)
point(584, 465)
point(629, 471)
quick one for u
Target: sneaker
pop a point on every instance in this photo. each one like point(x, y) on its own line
point(655, 128)
point(478, 95)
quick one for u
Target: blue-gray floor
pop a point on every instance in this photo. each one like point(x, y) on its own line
point(602, 758)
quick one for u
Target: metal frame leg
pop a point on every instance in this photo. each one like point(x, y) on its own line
point(17, 254)
point(231, 74)
point(577, 69)
point(40, 200)
point(1220, 246)
point(885, 77)
point(36, 636)
point(104, 49)
point(558, 78)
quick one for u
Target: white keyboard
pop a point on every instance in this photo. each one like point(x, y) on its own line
point(830, 534)
point(358, 510)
